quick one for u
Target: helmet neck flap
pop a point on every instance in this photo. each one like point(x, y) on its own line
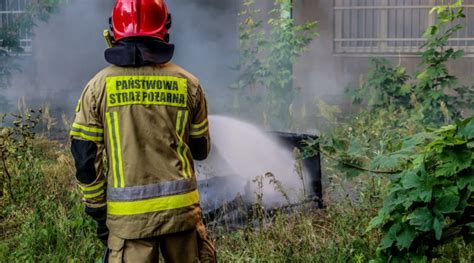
point(139, 51)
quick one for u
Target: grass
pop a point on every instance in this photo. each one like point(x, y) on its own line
point(45, 221)
point(332, 235)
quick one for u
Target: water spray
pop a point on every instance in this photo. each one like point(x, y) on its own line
point(247, 163)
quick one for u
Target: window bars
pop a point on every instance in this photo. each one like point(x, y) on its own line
point(391, 27)
point(10, 10)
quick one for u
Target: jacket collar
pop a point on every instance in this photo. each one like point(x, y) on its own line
point(137, 52)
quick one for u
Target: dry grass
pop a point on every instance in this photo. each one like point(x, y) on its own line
point(336, 234)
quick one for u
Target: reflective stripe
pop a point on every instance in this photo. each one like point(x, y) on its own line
point(195, 133)
point(199, 129)
point(90, 195)
point(119, 148)
point(181, 122)
point(200, 125)
point(93, 191)
point(86, 136)
point(87, 128)
point(151, 191)
point(91, 188)
point(188, 164)
point(78, 106)
point(120, 208)
point(114, 134)
point(87, 133)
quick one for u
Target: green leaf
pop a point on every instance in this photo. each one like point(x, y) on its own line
point(379, 219)
point(405, 237)
point(431, 31)
point(446, 204)
point(454, 160)
point(425, 195)
point(417, 139)
point(458, 4)
point(466, 128)
point(438, 9)
point(389, 162)
point(458, 54)
point(471, 227)
point(356, 147)
point(466, 180)
point(387, 241)
point(390, 237)
point(417, 258)
point(438, 227)
point(421, 219)
point(392, 199)
point(405, 89)
point(410, 179)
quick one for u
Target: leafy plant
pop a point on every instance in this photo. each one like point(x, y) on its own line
point(268, 53)
point(433, 91)
point(431, 200)
point(433, 82)
point(386, 85)
point(429, 203)
point(352, 145)
point(15, 146)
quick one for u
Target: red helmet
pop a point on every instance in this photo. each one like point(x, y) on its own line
point(141, 18)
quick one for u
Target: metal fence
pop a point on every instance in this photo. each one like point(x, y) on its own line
point(391, 27)
point(10, 10)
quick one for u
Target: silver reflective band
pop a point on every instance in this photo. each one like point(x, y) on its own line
point(151, 191)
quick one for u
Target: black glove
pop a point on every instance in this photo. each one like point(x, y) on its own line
point(100, 217)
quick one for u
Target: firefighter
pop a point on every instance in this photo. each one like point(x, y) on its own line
point(147, 118)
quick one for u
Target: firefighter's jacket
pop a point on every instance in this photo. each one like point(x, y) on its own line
point(142, 119)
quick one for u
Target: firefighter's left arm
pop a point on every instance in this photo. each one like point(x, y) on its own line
point(87, 147)
point(200, 140)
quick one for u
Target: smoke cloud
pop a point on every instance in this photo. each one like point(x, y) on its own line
point(68, 51)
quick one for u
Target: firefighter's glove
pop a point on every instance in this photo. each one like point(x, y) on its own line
point(100, 217)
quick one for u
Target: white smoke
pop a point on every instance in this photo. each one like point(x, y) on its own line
point(68, 50)
point(241, 152)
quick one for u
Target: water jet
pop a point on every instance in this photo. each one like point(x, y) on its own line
point(240, 153)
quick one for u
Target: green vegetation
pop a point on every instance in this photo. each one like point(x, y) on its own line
point(433, 92)
point(427, 173)
point(41, 216)
point(268, 53)
point(431, 201)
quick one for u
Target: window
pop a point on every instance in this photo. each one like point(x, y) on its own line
point(9, 12)
point(391, 26)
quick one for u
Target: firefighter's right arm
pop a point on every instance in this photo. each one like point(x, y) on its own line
point(87, 147)
point(200, 141)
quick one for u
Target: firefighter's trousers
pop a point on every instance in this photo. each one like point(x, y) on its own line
point(182, 247)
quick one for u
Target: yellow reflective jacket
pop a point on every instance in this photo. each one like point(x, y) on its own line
point(143, 118)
